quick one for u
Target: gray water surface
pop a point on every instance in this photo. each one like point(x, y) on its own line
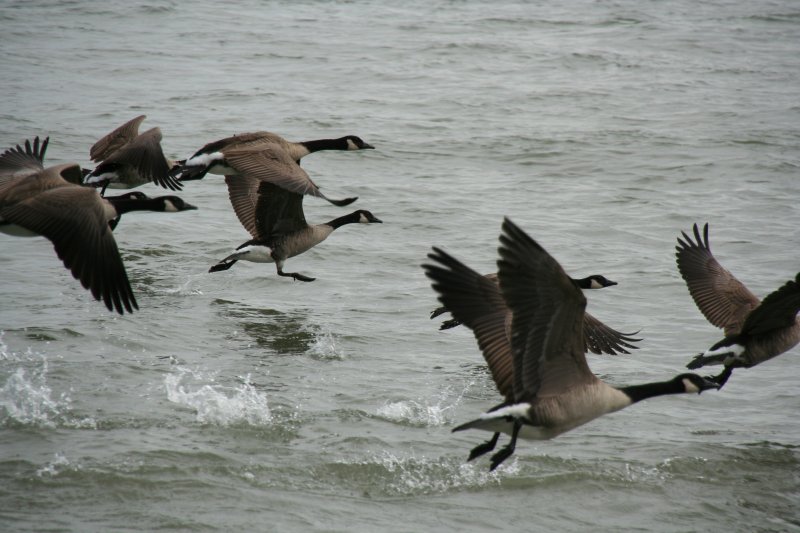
point(241, 401)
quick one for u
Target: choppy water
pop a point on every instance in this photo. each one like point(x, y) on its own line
point(243, 401)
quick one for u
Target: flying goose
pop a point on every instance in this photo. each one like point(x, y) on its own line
point(138, 201)
point(76, 219)
point(128, 159)
point(599, 337)
point(536, 353)
point(755, 331)
point(273, 215)
point(212, 156)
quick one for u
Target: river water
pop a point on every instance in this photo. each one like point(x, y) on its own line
point(241, 401)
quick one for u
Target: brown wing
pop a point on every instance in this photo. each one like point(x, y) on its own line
point(778, 310)
point(105, 147)
point(278, 212)
point(21, 188)
point(243, 193)
point(75, 220)
point(144, 153)
point(476, 301)
point(599, 338)
point(723, 299)
point(270, 162)
point(547, 326)
point(242, 140)
point(21, 161)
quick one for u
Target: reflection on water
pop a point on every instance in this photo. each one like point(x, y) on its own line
point(283, 333)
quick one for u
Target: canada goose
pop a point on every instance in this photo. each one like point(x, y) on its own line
point(128, 159)
point(138, 201)
point(599, 337)
point(29, 161)
point(755, 331)
point(536, 354)
point(274, 217)
point(76, 219)
point(212, 156)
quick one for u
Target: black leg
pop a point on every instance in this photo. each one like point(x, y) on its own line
point(723, 377)
point(222, 265)
point(703, 360)
point(486, 447)
point(295, 275)
point(506, 451)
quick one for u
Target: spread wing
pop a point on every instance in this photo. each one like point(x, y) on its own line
point(105, 147)
point(547, 325)
point(600, 338)
point(476, 301)
point(278, 212)
point(144, 153)
point(777, 310)
point(243, 193)
point(74, 219)
point(20, 161)
point(269, 162)
point(723, 299)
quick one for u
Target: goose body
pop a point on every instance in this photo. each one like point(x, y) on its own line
point(755, 330)
point(212, 157)
point(537, 361)
point(74, 218)
point(126, 159)
point(599, 337)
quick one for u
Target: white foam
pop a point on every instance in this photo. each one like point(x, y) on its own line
point(413, 475)
point(218, 404)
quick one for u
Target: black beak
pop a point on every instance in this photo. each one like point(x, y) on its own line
point(708, 384)
point(366, 146)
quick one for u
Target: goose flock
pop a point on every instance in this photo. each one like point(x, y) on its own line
point(529, 318)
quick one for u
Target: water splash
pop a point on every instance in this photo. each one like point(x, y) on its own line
point(421, 475)
point(54, 467)
point(27, 400)
point(423, 412)
point(218, 404)
point(325, 347)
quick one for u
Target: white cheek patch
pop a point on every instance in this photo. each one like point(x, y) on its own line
point(351, 145)
point(363, 219)
point(690, 386)
point(169, 207)
point(595, 284)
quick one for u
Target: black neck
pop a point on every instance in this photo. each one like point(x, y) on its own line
point(126, 205)
point(326, 144)
point(649, 390)
point(352, 218)
point(585, 283)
